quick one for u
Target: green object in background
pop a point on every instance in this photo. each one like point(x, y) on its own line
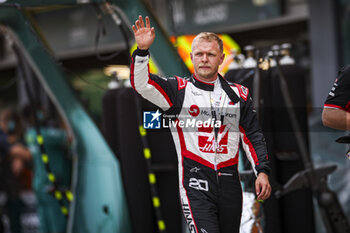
point(91, 88)
point(162, 51)
point(99, 202)
point(56, 147)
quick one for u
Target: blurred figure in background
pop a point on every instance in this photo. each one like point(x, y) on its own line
point(336, 111)
point(13, 157)
point(56, 144)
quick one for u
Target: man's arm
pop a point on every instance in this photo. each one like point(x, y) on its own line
point(254, 145)
point(336, 118)
point(160, 91)
point(336, 110)
point(253, 140)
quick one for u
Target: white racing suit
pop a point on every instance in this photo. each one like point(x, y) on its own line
point(207, 143)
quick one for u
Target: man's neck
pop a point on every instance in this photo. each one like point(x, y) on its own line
point(211, 80)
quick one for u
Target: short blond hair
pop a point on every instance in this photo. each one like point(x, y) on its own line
point(209, 36)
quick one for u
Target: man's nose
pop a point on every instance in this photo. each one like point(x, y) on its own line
point(205, 57)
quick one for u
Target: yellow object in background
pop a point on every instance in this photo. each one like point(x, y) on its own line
point(184, 43)
point(152, 66)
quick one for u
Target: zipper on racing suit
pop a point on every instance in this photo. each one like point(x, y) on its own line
point(216, 129)
point(216, 144)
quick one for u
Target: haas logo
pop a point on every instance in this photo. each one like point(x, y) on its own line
point(194, 110)
point(206, 140)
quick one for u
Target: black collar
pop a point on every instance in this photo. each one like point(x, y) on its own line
point(202, 85)
point(210, 87)
point(226, 87)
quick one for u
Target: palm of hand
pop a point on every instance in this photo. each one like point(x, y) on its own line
point(144, 34)
point(144, 37)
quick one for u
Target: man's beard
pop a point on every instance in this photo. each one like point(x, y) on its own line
point(206, 75)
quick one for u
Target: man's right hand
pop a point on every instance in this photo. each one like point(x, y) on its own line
point(144, 35)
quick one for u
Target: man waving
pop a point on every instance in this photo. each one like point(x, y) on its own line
point(211, 117)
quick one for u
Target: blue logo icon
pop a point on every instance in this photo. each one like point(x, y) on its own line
point(151, 120)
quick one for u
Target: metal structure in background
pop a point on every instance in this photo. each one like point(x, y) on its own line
point(163, 52)
point(346, 140)
point(332, 213)
point(59, 193)
point(99, 202)
point(151, 175)
point(325, 62)
point(192, 17)
point(96, 184)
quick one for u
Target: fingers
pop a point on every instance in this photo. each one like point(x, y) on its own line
point(263, 188)
point(140, 24)
point(137, 23)
point(263, 191)
point(144, 34)
point(148, 24)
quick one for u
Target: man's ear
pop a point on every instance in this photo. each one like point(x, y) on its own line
point(222, 58)
point(191, 56)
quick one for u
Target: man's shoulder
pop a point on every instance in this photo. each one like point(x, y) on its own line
point(345, 69)
point(235, 85)
point(240, 90)
point(344, 75)
point(177, 81)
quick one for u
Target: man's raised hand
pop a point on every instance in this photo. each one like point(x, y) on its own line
point(144, 35)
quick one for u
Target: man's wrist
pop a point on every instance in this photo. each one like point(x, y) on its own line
point(142, 52)
point(264, 172)
point(143, 49)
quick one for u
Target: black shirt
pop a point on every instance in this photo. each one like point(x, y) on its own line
point(339, 96)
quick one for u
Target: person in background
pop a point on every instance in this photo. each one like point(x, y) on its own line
point(57, 145)
point(13, 158)
point(336, 110)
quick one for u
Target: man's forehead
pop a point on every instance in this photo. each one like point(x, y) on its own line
point(203, 42)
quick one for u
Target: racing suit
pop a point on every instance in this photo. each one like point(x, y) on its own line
point(339, 96)
point(207, 139)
